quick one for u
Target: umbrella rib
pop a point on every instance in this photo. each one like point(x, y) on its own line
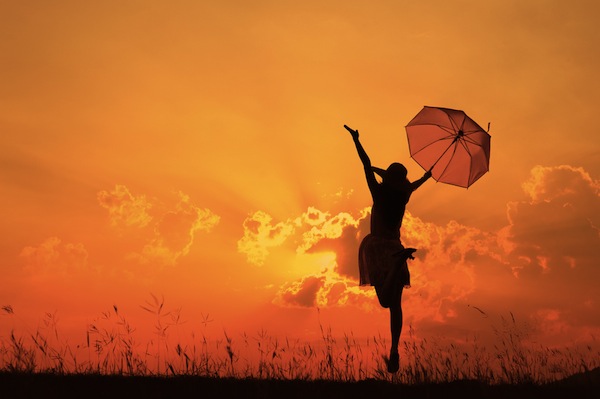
point(466, 147)
point(452, 157)
point(478, 129)
point(456, 128)
point(452, 134)
point(440, 157)
point(432, 143)
point(471, 140)
point(444, 128)
point(470, 132)
point(447, 163)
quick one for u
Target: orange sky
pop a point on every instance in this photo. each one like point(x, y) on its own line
point(196, 151)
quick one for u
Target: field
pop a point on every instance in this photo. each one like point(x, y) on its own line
point(112, 362)
point(17, 385)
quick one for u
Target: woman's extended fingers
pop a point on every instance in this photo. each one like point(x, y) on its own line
point(352, 131)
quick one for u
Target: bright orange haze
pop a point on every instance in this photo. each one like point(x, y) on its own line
point(196, 151)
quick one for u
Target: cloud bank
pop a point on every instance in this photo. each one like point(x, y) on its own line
point(54, 257)
point(542, 265)
point(168, 231)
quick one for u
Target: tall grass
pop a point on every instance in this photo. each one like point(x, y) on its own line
point(112, 347)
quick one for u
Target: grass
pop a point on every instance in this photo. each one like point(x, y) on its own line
point(259, 363)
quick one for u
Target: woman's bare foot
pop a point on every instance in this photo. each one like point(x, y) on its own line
point(393, 363)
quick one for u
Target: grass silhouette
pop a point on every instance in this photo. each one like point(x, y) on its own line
point(113, 353)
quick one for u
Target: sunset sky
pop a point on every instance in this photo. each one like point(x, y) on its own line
point(195, 150)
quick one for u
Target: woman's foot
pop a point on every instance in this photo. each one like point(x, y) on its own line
point(408, 253)
point(393, 363)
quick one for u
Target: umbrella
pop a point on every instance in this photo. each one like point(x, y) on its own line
point(450, 144)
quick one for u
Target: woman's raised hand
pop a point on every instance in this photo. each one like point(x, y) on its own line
point(353, 132)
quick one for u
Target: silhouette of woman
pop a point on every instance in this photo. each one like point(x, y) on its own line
point(382, 257)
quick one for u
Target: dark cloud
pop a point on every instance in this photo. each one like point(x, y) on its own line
point(304, 292)
point(554, 241)
point(345, 247)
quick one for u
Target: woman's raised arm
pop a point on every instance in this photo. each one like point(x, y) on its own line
point(369, 174)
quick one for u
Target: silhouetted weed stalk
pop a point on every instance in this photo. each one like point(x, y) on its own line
point(111, 347)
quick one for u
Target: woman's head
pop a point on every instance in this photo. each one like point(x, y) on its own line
point(395, 174)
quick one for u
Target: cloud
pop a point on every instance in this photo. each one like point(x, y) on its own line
point(174, 232)
point(553, 242)
point(542, 266)
point(53, 256)
point(561, 183)
point(168, 231)
point(557, 227)
point(302, 293)
point(327, 289)
point(260, 234)
point(442, 274)
point(305, 234)
point(125, 209)
point(340, 234)
point(312, 232)
point(307, 229)
point(323, 226)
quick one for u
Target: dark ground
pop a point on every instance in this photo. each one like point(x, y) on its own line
point(20, 385)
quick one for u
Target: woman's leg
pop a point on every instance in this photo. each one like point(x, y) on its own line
point(393, 363)
point(395, 324)
point(402, 280)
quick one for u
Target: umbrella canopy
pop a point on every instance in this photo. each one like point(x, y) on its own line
point(450, 144)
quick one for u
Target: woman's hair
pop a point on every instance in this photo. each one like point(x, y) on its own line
point(396, 171)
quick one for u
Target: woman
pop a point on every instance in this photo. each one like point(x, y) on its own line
point(382, 257)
